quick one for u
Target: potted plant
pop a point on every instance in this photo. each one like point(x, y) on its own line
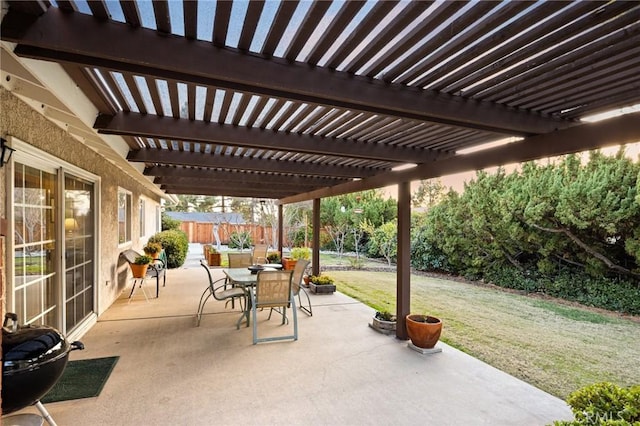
point(424, 331)
point(153, 249)
point(213, 256)
point(321, 284)
point(289, 263)
point(140, 265)
point(273, 257)
point(384, 322)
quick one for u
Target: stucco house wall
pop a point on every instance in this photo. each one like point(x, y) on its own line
point(19, 120)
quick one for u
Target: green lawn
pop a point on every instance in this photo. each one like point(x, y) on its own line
point(556, 347)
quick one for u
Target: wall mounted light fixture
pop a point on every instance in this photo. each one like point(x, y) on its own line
point(5, 153)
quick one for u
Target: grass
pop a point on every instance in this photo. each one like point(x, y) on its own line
point(555, 347)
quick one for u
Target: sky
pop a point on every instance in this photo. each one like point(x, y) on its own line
point(457, 181)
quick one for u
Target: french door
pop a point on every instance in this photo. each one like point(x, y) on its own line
point(54, 222)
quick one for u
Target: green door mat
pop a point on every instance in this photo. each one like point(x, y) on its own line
point(81, 379)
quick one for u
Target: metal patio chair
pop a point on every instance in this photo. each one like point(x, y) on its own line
point(298, 272)
point(220, 293)
point(259, 253)
point(240, 260)
point(274, 290)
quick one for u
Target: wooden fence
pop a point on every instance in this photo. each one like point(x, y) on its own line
point(205, 232)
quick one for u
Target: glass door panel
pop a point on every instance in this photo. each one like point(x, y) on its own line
point(79, 241)
point(35, 289)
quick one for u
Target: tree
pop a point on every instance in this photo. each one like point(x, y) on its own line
point(295, 219)
point(198, 203)
point(383, 240)
point(593, 216)
point(343, 215)
point(428, 194)
point(552, 215)
point(169, 223)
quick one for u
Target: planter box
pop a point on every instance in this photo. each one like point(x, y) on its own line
point(213, 259)
point(322, 289)
point(384, 327)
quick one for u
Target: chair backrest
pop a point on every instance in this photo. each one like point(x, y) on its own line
point(239, 260)
point(159, 265)
point(273, 289)
point(298, 272)
point(259, 253)
point(163, 257)
point(204, 264)
point(129, 255)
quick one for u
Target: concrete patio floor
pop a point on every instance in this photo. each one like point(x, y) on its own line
point(339, 372)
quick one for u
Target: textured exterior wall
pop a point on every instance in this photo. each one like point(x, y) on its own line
point(18, 119)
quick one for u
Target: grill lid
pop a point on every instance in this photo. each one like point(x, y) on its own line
point(30, 347)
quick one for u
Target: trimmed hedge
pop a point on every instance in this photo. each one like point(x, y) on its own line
point(604, 404)
point(175, 244)
point(613, 294)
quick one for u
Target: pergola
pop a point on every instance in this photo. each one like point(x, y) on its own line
point(300, 100)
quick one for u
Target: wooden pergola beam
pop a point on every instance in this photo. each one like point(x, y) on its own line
point(615, 131)
point(76, 38)
point(145, 125)
point(183, 173)
point(225, 191)
point(199, 159)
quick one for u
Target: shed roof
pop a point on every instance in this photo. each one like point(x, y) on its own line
point(211, 217)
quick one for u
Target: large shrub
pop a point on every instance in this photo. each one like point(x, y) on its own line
point(169, 223)
point(604, 404)
point(569, 229)
point(426, 256)
point(175, 244)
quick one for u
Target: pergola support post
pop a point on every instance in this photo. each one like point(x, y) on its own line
point(403, 294)
point(315, 269)
point(280, 228)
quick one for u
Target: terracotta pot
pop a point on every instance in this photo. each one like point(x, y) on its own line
point(139, 271)
point(424, 331)
point(289, 264)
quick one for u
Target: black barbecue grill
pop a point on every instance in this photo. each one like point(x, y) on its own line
point(33, 359)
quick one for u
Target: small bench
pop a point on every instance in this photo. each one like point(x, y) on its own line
point(157, 269)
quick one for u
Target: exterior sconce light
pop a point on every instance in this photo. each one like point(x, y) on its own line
point(6, 153)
